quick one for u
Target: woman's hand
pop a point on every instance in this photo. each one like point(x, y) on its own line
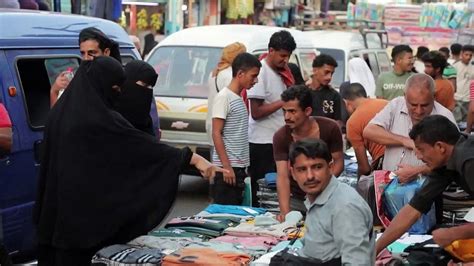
point(207, 170)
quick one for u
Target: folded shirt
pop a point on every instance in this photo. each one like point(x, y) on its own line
point(128, 255)
point(280, 231)
point(205, 256)
point(200, 225)
point(234, 209)
point(261, 242)
point(176, 232)
point(166, 244)
point(225, 247)
point(270, 179)
point(209, 215)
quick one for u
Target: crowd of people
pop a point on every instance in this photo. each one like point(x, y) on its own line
point(101, 156)
point(409, 128)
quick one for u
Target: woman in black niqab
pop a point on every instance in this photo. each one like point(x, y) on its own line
point(150, 43)
point(101, 180)
point(137, 94)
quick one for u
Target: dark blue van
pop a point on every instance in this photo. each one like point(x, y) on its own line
point(34, 48)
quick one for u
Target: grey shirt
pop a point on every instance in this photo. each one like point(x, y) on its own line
point(395, 119)
point(339, 224)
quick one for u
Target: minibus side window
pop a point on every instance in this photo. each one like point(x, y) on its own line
point(36, 78)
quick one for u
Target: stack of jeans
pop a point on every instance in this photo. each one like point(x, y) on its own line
point(267, 193)
point(349, 175)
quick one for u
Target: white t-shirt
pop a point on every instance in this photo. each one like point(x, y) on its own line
point(419, 66)
point(224, 77)
point(268, 88)
point(230, 107)
point(463, 80)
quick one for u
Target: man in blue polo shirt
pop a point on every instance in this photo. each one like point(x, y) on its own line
point(338, 221)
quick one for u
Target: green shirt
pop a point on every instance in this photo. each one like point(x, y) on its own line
point(390, 85)
point(449, 72)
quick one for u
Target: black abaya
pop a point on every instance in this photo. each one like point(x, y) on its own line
point(99, 175)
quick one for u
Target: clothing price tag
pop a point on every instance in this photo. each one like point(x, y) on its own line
point(250, 211)
point(470, 215)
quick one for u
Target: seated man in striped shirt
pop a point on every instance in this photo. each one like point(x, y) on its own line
point(230, 131)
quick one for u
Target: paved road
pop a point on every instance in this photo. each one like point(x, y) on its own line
point(192, 197)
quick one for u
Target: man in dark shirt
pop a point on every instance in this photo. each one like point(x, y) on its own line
point(326, 100)
point(299, 125)
point(450, 156)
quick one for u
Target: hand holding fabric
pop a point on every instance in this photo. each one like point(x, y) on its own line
point(406, 173)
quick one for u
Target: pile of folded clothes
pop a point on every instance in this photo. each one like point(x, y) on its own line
point(349, 175)
point(267, 193)
point(218, 235)
point(456, 204)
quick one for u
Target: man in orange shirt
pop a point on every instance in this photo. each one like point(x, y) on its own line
point(362, 110)
point(435, 63)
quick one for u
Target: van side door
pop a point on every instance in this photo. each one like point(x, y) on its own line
point(30, 75)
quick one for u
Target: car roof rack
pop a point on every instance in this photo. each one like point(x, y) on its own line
point(382, 34)
point(363, 26)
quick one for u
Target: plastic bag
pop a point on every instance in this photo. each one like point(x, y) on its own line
point(397, 195)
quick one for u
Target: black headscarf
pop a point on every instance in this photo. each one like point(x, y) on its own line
point(135, 100)
point(101, 178)
point(149, 44)
point(92, 33)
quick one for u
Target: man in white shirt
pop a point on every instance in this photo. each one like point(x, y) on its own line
point(266, 116)
point(465, 74)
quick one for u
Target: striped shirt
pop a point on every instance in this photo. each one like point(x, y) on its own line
point(230, 107)
point(471, 90)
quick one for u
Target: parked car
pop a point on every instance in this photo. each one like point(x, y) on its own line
point(184, 61)
point(34, 48)
point(344, 45)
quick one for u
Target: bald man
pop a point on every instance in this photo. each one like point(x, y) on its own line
point(391, 126)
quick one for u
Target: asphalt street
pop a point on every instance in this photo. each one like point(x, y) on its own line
point(192, 197)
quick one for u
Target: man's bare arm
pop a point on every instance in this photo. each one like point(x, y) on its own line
point(259, 109)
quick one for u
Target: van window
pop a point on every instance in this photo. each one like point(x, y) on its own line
point(184, 71)
point(339, 74)
point(36, 78)
point(371, 60)
point(127, 59)
point(384, 62)
point(306, 59)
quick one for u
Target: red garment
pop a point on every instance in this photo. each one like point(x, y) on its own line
point(244, 97)
point(4, 118)
point(381, 180)
point(285, 73)
point(471, 90)
point(286, 76)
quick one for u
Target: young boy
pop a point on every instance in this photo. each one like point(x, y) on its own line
point(230, 131)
